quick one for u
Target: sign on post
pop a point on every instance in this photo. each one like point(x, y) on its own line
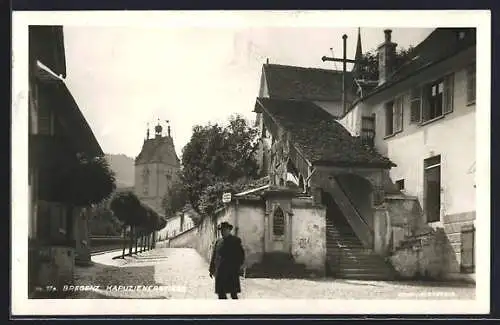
point(226, 197)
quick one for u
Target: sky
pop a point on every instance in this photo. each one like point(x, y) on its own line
point(125, 77)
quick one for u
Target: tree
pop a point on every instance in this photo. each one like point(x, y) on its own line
point(216, 159)
point(104, 222)
point(369, 62)
point(87, 180)
point(128, 209)
point(80, 181)
point(175, 198)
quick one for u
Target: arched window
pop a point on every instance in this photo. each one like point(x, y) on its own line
point(278, 222)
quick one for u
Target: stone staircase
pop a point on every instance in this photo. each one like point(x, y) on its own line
point(347, 256)
point(277, 266)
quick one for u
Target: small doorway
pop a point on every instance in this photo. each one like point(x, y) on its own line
point(432, 188)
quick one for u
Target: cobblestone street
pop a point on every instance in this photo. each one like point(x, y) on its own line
point(176, 273)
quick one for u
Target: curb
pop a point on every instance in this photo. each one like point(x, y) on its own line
point(104, 252)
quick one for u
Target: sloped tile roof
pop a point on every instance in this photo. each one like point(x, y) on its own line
point(291, 82)
point(158, 150)
point(255, 184)
point(319, 136)
point(442, 43)
point(46, 44)
point(56, 95)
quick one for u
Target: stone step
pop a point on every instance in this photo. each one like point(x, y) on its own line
point(331, 234)
point(359, 260)
point(335, 250)
point(371, 263)
point(367, 276)
point(353, 265)
point(349, 242)
point(333, 229)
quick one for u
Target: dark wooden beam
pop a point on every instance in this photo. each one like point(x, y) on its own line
point(325, 58)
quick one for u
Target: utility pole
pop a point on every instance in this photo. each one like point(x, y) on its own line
point(344, 61)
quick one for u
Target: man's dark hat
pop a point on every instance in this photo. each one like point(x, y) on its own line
point(225, 225)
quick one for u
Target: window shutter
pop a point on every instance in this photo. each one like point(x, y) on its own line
point(398, 114)
point(415, 105)
point(448, 94)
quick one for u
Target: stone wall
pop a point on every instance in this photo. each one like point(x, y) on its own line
point(440, 255)
point(421, 256)
point(203, 236)
point(250, 228)
point(453, 225)
point(55, 267)
point(187, 239)
point(309, 234)
point(307, 238)
point(248, 220)
point(405, 217)
point(382, 231)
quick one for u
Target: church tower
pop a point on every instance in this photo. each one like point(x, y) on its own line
point(156, 168)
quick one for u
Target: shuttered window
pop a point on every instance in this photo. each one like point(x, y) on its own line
point(389, 118)
point(398, 114)
point(448, 94)
point(415, 105)
point(368, 130)
point(437, 98)
point(394, 116)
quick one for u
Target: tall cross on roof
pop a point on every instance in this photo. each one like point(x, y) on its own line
point(344, 61)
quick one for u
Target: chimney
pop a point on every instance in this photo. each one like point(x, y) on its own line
point(168, 129)
point(386, 58)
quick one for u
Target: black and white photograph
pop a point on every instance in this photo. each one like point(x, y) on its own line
point(291, 162)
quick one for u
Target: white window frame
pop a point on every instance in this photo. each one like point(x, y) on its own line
point(447, 98)
point(397, 108)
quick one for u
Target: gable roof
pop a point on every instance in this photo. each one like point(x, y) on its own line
point(300, 83)
point(46, 44)
point(318, 136)
point(56, 95)
point(158, 150)
point(441, 44)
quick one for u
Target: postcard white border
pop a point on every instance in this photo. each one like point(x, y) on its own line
point(21, 305)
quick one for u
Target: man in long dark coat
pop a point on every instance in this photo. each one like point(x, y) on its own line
point(227, 258)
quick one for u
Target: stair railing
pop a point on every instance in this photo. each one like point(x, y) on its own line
point(352, 203)
point(357, 223)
